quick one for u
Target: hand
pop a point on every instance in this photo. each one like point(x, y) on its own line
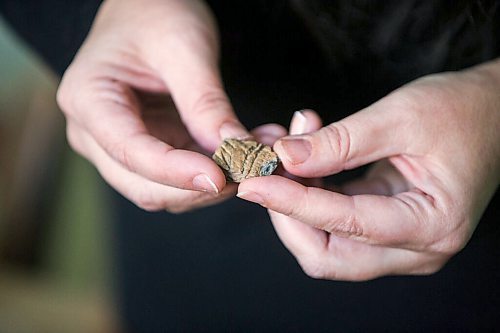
point(437, 143)
point(144, 102)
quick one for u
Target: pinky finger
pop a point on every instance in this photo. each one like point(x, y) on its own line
point(305, 121)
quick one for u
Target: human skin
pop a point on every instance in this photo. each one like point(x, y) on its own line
point(436, 147)
point(144, 102)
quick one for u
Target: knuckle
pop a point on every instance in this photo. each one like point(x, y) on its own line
point(451, 244)
point(454, 235)
point(456, 244)
point(337, 141)
point(210, 100)
point(345, 227)
point(62, 97)
point(120, 151)
point(66, 98)
point(73, 139)
point(128, 154)
point(348, 226)
point(293, 211)
point(62, 94)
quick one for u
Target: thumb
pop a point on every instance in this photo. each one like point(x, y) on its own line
point(366, 136)
point(191, 73)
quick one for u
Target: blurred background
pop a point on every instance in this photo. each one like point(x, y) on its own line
point(57, 271)
point(55, 257)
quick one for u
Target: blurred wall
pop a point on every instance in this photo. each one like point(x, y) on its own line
point(55, 264)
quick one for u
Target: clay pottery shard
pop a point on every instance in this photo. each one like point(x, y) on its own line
point(243, 159)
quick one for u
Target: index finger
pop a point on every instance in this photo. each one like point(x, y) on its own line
point(112, 118)
point(397, 221)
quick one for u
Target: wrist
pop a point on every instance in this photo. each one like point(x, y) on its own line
point(487, 78)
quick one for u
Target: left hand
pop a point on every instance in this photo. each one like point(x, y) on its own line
point(145, 103)
point(436, 141)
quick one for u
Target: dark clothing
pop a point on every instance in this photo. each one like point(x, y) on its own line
point(223, 268)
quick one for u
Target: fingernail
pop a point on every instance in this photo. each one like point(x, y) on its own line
point(297, 150)
point(203, 183)
point(251, 196)
point(234, 131)
point(298, 124)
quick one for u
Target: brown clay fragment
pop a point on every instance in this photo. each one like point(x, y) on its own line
point(243, 159)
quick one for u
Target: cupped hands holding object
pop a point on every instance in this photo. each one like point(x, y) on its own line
point(143, 98)
point(144, 102)
point(436, 144)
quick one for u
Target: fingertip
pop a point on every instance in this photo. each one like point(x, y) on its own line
point(215, 180)
point(270, 129)
point(254, 189)
point(305, 121)
point(190, 171)
point(314, 121)
point(251, 190)
point(298, 124)
point(233, 130)
point(229, 189)
point(258, 184)
point(252, 197)
point(269, 191)
point(204, 183)
point(269, 133)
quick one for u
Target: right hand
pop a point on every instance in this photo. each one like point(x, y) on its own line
point(144, 103)
point(435, 146)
